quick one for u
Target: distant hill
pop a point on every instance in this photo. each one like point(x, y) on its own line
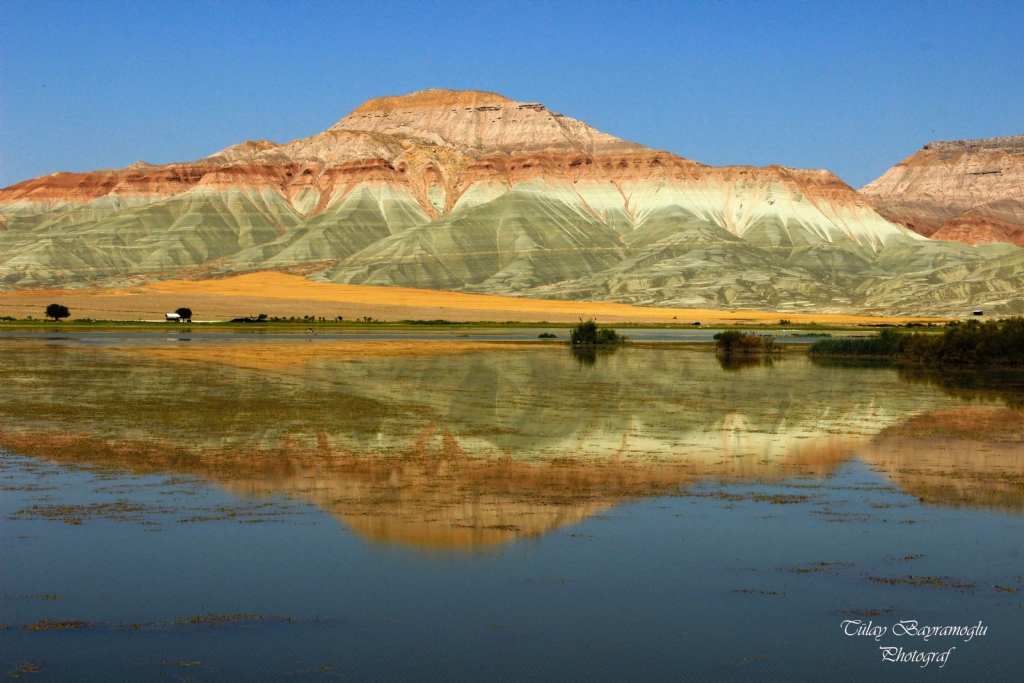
point(970, 191)
point(471, 191)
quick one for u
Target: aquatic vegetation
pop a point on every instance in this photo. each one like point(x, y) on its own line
point(51, 625)
point(829, 567)
point(589, 333)
point(869, 612)
point(932, 581)
point(730, 342)
point(993, 342)
point(25, 668)
point(881, 345)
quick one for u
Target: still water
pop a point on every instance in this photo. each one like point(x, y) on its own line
point(401, 510)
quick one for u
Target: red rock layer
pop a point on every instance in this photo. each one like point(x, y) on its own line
point(966, 190)
point(440, 138)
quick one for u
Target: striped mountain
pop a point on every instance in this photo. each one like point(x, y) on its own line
point(471, 191)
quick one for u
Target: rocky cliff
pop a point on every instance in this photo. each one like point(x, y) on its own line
point(472, 191)
point(970, 191)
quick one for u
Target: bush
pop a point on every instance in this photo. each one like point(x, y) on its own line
point(994, 342)
point(185, 313)
point(989, 342)
point(590, 334)
point(734, 341)
point(56, 311)
point(547, 335)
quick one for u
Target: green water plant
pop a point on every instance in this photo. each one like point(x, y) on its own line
point(880, 345)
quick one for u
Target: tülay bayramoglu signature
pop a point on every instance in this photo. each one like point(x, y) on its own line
point(912, 628)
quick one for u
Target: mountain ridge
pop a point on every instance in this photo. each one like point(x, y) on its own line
point(471, 191)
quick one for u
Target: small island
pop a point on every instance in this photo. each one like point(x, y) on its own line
point(735, 342)
point(589, 333)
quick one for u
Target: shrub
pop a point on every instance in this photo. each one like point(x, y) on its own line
point(997, 342)
point(590, 334)
point(185, 313)
point(56, 311)
point(734, 341)
point(547, 335)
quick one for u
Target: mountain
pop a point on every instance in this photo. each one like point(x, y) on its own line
point(970, 191)
point(472, 191)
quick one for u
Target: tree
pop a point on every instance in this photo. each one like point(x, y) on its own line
point(56, 311)
point(185, 313)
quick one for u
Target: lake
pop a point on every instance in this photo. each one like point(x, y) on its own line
point(398, 509)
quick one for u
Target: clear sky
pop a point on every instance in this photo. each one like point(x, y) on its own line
point(849, 86)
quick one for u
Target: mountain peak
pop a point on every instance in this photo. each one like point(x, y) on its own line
point(478, 123)
point(1010, 143)
point(430, 99)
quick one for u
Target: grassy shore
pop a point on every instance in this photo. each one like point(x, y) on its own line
point(994, 342)
point(299, 325)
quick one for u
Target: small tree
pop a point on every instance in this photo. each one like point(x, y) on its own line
point(56, 311)
point(185, 313)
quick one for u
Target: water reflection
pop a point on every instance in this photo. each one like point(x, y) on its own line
point(738, 361)
point(967, 457)
point(448, 444)
point(586, 356)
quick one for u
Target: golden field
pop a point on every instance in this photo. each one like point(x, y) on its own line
point(278, 294)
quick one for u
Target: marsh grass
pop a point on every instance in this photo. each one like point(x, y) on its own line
point(994, 342)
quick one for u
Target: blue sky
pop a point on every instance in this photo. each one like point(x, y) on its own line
point(851, 87)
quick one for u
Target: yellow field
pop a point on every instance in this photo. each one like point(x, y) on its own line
point(277, 294)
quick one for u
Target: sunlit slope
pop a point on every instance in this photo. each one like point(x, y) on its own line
point(184, 231)
point(525, 238)
point(365, 216)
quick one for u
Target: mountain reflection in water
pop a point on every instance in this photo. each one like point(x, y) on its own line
point(465, 444)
